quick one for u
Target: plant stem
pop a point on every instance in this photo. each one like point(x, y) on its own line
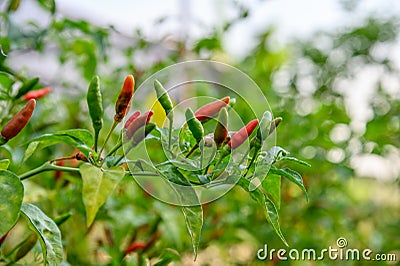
point(192, 150)
point(171, 121)
point(47, 167)
point(115, 123)
point(113, 150)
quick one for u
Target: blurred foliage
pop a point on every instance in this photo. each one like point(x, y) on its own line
point(308, 82)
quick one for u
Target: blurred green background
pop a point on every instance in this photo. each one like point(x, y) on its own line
point(337, 89)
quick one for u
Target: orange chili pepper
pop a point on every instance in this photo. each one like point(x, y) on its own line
point(124, 98)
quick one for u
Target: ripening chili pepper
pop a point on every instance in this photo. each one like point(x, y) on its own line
point(36, 94)
point(137, 123)
point(27, 86)
point(135, 246)
point(81, 157)
point(210, 110)
point(142, 134)
point(124, 99)
point(221, 129)
point(163, 97)
point(95, 104)
point(239, 137)
point(274, 125)
point(131, 118)
point(18, 122)
point(264, 126)
point(194, 125)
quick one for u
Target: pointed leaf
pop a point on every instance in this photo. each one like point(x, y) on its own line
point(97, 185)
point(78, 138)
point(293, 176)
point(268, 207)
point(294, 159)
point(194, 223)
point(11, 194)
point(48, 232)
point(272, 184)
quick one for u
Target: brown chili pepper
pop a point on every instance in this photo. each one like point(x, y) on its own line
point(221, 129)
point(124, 98)
point(18, 122)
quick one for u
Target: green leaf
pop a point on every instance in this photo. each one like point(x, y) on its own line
point(78, 138)
point(270, 211)
point(293, 159)
point(194, 223)
point(97, 185)
point(11, 194)
point(272, 184)
point(48, 232)
point(167, 256)
point(49, 5)
point(4, 164)
point(292, 175)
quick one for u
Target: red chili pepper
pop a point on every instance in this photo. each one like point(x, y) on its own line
point(131, 118)
point(124, 98)
point(18, 122)
point(210, 110)
point(135, 246)
point(137, 123)
point(36, 94)
point(239, 137)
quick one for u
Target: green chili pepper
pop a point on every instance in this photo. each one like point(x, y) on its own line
point(95, 105)
point(27, 86)
point(195, 125)
point(264, 126)
point(163, 97)
point(221, 129)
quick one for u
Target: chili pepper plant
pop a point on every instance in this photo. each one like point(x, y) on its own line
point(203, 154)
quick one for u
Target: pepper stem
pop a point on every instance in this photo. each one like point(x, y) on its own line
point(115, 123)
point(47, 167)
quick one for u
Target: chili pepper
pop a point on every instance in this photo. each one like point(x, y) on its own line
point(36, 94)
point(124, 99)
point(221, 131)
point(131, 118)
point(137, 123)
point(27, 86)
point(163, 97)
point(274, 125)
point(239, 137)
point(142, 134)
point(95, 104)
point(81, 157)
point(209, 110)
point(194, 124)
point(18, 122)
point(264, 126)
point(135, 246)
